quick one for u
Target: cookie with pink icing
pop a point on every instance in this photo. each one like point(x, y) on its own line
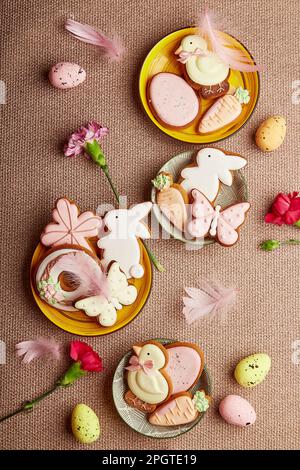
point(68, 273)
point(69, 226)
point(185, 366)
point(223, 225)
point(65, 75)
point(172, 100)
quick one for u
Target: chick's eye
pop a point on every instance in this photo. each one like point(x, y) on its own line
point(209, 156)
point(117, 216)
point(191, 42)
point(148, 354)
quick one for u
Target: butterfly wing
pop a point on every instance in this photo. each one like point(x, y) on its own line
point(203, 212)
point(231, 219)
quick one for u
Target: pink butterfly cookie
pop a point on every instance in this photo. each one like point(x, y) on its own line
point(69, 226)
point(220, 224)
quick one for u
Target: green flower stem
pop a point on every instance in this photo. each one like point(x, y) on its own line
point(97, 155)
point(271, 245)
point(28, 406)
point(297, 224)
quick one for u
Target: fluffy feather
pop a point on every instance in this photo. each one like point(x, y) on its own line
point(236, 59)
point(77, 267)
point(38, 348)
point(209, 300)
point(111, 48)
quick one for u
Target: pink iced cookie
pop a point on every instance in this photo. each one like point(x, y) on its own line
point(184, 367)
point(173, 101)
point(66, 75)
point(69, 226)
point(237, 411)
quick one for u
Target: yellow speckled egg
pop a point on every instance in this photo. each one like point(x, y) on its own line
point(271, 133)
point(252, 370)
point(85, 424)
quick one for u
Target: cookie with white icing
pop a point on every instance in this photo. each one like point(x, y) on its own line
point(213, 166)
point(121, 243)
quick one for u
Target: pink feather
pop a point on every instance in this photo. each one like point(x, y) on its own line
point(209, 300)
point(111, 48)
point(236, 59)
point(79, 274)
point(38, 348)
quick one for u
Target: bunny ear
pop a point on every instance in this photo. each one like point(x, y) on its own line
point(141, 210)
point(225, 177)
point(142, 231)
point(233, 162)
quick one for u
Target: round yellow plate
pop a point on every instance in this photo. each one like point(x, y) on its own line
point(80, 324)
point(161, 58)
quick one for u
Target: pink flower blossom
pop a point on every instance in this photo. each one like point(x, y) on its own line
point(86, 134)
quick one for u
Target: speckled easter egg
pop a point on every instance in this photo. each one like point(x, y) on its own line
point(271, 133)
point(237, 411)
point(66, 75)
point(252, 370)
point(85, 424)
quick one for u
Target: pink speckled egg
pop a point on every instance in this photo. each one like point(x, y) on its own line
point(237, 411)
point(66, 75)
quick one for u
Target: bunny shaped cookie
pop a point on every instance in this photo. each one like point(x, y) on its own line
point(121, 243)
point(213, 166)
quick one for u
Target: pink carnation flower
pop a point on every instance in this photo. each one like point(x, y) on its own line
point(86, 134)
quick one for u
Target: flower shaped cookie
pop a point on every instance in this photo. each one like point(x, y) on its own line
point(69, 226)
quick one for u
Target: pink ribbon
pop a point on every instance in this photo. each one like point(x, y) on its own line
point(184, 56)
point(136, 364)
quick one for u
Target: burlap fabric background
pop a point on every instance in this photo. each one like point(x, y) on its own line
point(37, 119)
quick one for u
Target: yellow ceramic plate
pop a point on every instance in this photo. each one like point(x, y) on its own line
point(161, 58)
point(80, 324)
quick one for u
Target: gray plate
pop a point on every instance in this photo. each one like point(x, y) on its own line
point(138, 420)
point(237, 192)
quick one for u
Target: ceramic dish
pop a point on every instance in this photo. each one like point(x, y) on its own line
point(161, 58)
point(238, 192)
point(136, 419)
point(80, 324)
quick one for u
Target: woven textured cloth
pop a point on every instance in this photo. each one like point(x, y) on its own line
point(36, 120)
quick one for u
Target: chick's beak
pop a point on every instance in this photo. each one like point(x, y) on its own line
point(177, 52)
point(137, 350)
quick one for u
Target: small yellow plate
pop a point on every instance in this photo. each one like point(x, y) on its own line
point(161, 58)
point(80, 324)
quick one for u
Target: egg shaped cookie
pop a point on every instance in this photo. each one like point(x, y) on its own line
point(173, 102)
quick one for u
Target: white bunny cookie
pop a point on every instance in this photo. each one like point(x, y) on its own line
point(121, 243)
point(213, 166)
point(119, 293)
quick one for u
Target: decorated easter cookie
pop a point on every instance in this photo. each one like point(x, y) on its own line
point(185, 365)
point(224, 111)
point(69, 226)
point(212, 167)
point(220, 224)
point(146, 376)
point(237, 411)
point(172, 100)
point(203, 67)
point(66, 75)
point(171, 199)
point(68, 273)
point(181, 409)
point(119, 293)
point(121, 242)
